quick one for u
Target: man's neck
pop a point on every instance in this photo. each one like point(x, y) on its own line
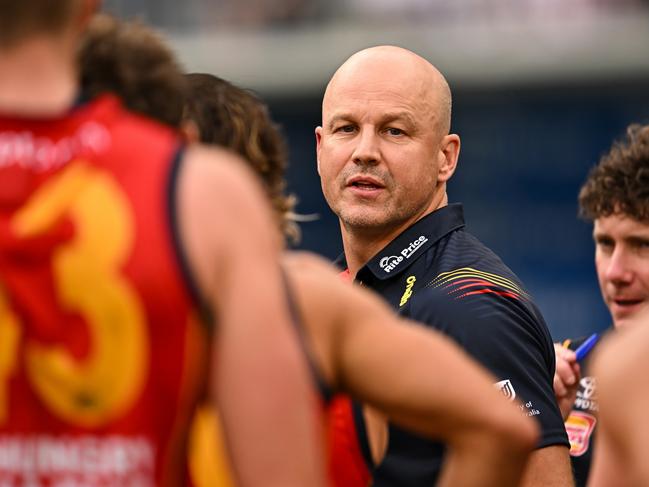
point(360, 245)
point(359, 248)
point(38, 77)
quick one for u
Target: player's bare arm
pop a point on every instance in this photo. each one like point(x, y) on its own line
point(254, 340)
point(401, 368)
point(620, 367)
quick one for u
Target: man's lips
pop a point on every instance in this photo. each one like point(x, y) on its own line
point(364, 183)
point(625, 304)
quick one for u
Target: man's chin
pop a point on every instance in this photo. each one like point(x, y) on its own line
point(632, 317)
point(363, 220)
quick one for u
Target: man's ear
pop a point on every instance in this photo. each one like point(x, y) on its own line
point(189, 131)
point(449, 153)
point(318, 142)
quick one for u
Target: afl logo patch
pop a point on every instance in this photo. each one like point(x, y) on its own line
point(507, 389)
point(580, 427)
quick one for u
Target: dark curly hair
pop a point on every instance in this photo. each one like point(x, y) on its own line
point(619, 184)
point(132, 60)
point(237, 119)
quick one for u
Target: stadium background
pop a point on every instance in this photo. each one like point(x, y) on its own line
point(541, 88)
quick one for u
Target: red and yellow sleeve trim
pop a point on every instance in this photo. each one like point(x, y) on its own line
point(467, 281)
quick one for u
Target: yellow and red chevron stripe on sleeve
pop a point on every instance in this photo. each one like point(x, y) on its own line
point(466, 281)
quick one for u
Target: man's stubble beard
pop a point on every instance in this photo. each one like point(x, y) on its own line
point(377, 219)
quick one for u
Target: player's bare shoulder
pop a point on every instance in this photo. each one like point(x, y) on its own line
point(308, 263)
point(218, 171)
point(315, 277)
point(223, 215)
point(621, 360)
point(320, 285)
point(217, 188)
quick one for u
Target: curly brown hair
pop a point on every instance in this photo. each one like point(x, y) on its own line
point(237, 119)
point(132, 60)
point(619, 184)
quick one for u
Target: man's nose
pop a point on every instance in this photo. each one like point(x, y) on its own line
point(620, 269)
point(367, 150)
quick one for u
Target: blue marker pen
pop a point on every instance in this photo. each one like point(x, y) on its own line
point(586, 347)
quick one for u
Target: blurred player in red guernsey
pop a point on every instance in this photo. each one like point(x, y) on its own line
point(115, 243)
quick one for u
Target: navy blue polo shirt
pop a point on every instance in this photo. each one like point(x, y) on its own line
point(437, 273)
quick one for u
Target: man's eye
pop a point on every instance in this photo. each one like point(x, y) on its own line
point(395, 131)
point(347, 129)
point(604, 244)
point(643, 246)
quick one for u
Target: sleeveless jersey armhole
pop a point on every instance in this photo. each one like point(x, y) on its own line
point(326, 393)
point(361, 434)
point(205, 312)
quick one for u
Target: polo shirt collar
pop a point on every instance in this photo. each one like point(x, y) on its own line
point(413, 242)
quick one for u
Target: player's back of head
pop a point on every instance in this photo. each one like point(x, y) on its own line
point(133, 61)
point(226, 115)
point(25, 18)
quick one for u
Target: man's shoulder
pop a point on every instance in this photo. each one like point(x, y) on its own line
point(462, 249)
point(462, 278)
point(461, 267)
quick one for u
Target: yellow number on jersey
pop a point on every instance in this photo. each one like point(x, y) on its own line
point(9, 335)
point(88, 281)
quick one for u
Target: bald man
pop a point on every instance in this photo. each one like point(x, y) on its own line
point(385, 155)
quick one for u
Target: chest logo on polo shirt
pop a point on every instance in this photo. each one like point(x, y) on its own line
point(507, 389)
point(408, 292)
point(466, 281)
point(390, 262)
point(580, 427)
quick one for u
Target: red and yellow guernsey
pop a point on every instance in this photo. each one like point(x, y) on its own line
point(349, 461)
point(101, 361)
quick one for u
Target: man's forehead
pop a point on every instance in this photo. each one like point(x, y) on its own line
point(620, 223)
point(386, 58)
point(388, 94)
point(379, 74)
point(389, 75)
